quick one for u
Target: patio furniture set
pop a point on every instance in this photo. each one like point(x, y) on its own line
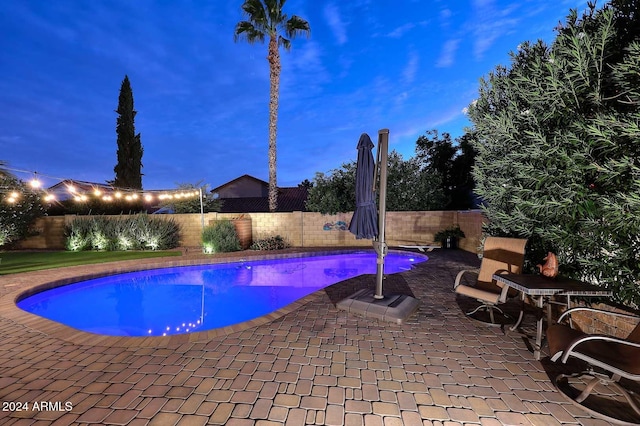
point(608, 359)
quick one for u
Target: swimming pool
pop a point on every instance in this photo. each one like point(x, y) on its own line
point(186, 299)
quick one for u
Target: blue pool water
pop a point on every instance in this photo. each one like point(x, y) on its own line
point(186, 299)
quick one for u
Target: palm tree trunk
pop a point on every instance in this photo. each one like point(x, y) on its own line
point(274, 80)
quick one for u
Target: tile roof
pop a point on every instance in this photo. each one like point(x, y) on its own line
point(79, 185)
point(290, 199)
point(240, 178)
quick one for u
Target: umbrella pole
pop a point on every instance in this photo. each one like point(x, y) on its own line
point(380, 244)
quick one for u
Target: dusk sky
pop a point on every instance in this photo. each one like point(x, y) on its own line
point(202, 100)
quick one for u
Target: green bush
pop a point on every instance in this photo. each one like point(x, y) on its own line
point(6, 231)
point(220, 237)
point(155, 233)
point(270, 243)
point(78, 235)
point(558, 140)
point(139, 232)
point(101, 235)
point(452, 232)
point(16, 217)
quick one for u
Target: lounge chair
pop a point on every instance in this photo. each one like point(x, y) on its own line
point(613, 357)
point(500, 255)
point(419, 245)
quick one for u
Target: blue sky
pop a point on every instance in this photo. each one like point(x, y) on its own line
point(202, 100)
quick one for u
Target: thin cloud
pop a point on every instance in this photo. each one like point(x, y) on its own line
point(445, 18)
point(490, 24)
point(447, 56)
point(305, 71)
point(334, 20)
point(401, 30)
point(411, 68)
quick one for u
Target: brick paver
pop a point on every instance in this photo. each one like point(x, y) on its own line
point(308, 364)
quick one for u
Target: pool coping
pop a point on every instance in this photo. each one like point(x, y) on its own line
point(69, 275)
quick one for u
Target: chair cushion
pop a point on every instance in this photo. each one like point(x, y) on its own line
point(617, 355)
point(560, 337)
point(501, 254)
point(481, 291)
point(634, 336)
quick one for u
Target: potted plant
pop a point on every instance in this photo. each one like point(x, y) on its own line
point(448, 238)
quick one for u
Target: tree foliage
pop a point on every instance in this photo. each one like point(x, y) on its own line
point(409, 188)
point(128, 170)
point(192, 204)
point(17, 216)
point(306, 184)
point(558, 140)
point(452, 161)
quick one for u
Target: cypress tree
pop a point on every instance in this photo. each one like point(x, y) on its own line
point(128, 169)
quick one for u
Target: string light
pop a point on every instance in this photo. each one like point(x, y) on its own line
point(80, 191)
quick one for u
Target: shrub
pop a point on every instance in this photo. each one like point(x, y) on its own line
point(16, 217)
point(78, 235)
point(558, 136)
point(139, 232)
point(220, 237)
point(155, 233)
point(270, 243)
point(101, 234)
point(6, 232)
point(452, 232)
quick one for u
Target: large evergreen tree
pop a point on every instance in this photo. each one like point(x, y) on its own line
point(128, 170)
point(265, 18)
point(558, 140)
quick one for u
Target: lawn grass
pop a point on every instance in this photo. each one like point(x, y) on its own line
point(13, 262)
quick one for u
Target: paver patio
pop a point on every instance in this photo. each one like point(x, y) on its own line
point(312, 365)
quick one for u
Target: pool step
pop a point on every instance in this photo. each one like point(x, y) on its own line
point(393, 308)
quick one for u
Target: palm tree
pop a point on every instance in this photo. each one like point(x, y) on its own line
point(265, 18)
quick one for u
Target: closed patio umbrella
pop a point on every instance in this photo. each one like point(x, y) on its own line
point(365, 217)
point(394, 307)
point(363, 222)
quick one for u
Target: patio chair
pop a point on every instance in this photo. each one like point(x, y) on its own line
point(614, 358)
point(500, 255)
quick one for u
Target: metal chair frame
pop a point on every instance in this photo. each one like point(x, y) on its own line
point(609, 375)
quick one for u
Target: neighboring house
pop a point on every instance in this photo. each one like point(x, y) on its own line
point(69, 188)
point(248, 194)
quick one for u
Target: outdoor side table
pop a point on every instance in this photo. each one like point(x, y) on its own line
point(541, 289)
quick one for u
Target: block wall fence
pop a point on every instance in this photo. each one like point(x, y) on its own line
point(300, 229)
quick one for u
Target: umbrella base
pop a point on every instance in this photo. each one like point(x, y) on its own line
point(393, 308)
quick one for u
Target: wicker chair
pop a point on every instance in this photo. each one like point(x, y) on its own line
point(608, 358)
point(500, 255)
